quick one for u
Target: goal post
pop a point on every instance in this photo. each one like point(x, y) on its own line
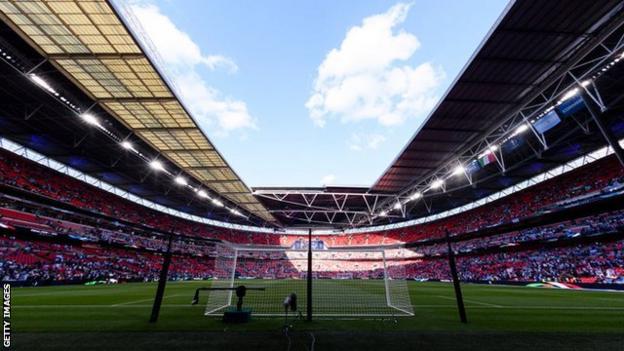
point(345, 282)
point(223, 276)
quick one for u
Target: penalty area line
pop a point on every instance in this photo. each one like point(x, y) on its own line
point(471, 301)
point(143, 300)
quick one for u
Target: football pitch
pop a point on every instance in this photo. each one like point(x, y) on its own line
point(500, 317)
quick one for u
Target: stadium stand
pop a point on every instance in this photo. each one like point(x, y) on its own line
point(590, 263)
point(514, 176)
point(66, 246)
point(584, 182)
point(40, 262)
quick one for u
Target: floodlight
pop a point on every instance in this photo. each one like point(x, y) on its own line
point(181, 180)
point(90, 119)
point(383, 214)
point(569, 94)
point(521, 129)
point(416, 195)
point(42, 83)
point(437, 184)
point(493, 148)
point(202, 193)
point(157, 165)
point(217, 202)
point(398, 206)
point(126, 145)
point(586, 82)
point(459, 170)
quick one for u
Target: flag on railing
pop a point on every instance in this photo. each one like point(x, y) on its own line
point(487, 159)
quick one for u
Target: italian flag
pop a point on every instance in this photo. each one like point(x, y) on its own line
point(487, 159)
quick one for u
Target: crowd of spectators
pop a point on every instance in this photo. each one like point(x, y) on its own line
point(49, 222)
point(45, 262)
point(588, 263)
point(122, 247)
point(42, 261)
point(587, 180)
point(581, 227)
point(25, 174)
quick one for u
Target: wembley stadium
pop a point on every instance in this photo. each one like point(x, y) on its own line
point(499, 224)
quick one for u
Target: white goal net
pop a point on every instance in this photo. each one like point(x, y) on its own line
point(346, 283)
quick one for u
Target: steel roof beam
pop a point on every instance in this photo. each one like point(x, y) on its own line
point(123, 100)
point(91, 56)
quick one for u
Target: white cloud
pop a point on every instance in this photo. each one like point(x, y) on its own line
point(367, 77)
point(364, 141)
point(175, 46)
point(212, 108)
point(183, 58)
point(328, 179)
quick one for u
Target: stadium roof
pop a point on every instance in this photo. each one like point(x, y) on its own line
point(519, 57)
point(532, 56)
point(93, 47)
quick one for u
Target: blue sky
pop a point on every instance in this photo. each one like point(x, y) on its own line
point(305, 93)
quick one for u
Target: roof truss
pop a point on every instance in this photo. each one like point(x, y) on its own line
point(340, 209)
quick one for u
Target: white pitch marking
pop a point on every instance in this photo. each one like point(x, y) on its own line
point(64, 293)
point(97, 306)
point(143, 300)
point(471, 301)
point(588, 308)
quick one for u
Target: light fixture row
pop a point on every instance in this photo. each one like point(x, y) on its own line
point(460, 169)
point(155, 164)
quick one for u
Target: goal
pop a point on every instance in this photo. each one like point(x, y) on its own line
point(345, 282)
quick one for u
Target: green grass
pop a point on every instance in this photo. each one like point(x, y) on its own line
point(500, 317)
